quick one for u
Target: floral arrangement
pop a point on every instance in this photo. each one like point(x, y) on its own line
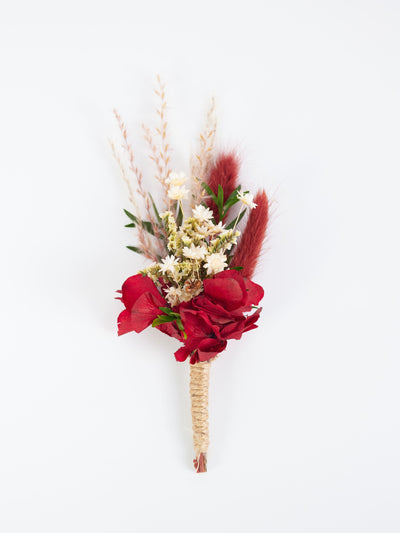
point(198, 287)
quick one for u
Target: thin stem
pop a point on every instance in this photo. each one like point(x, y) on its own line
point(237, 218)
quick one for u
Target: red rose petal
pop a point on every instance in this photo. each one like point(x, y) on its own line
point(124, 322)
point(254, 292)
point(228, 288)
point(233, 330)
point(197, 324)
point(171, 329)
point(135, 286)
point(182, 354)
point(209, 348)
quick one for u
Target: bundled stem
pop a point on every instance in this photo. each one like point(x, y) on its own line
point(199, 381)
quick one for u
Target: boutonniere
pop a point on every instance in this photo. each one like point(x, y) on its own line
point(203, 236)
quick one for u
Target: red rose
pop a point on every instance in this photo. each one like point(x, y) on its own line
point(203, 340)
point(209, 320)
point(232, 291)
point(142, 301)
point(217, 315)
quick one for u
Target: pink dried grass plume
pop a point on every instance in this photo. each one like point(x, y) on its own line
point(249, 248)
point(160, 150)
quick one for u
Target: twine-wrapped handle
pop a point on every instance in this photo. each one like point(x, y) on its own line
point(199, 381)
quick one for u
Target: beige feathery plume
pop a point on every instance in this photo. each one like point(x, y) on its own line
point(150, 248)
point(201, 161)
point(160, 151)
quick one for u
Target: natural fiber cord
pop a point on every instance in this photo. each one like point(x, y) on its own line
point(199, 380)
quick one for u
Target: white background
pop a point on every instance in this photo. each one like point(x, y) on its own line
point(95, 429)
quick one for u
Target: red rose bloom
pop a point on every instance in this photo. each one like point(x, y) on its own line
point(203, 340)
point(142, 302)
point(217, 315)
point(209, 320)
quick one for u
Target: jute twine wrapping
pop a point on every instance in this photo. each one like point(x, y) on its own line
point(199, 380)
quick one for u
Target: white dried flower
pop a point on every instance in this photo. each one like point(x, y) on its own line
point(177, 193)
point(168, 264)
point(174, 295)
point(172, 291)
point(186, 241)
point(202, 214)
point(194, 252)
point(247, 199)
point(166, 214)
point(217, 228)
point(202, 231)
point(176, 179)
point(216, 262)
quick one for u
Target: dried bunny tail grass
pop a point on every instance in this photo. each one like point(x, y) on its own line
point(249, 247)
point(201, 161)
point(224, 172)
point(139, 181)
point(144, 241)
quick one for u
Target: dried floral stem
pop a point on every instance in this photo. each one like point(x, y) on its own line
point(201, 161)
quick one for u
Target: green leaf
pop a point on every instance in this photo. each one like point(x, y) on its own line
point(146, 225)
point(233, 194)
point(210, 191)
point(156, 210)
point(135, 249)
point(179, 217)
point(132, 217)
point(236, 268)
point(170, 317)
point(232, 200)
point(236, 220)
point(168, 311)
point(220, 201)
point(162, 319)
point(181, 328)
point(131, 225)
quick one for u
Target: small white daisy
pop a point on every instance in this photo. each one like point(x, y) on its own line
point(177, 193)
point(168, 264)
point(202, 231)
point(217, 228)
point(247, 199)
point(166, 214)
point(176, 179)
point(194, 252)
point(202, 214)
point(215, 263)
